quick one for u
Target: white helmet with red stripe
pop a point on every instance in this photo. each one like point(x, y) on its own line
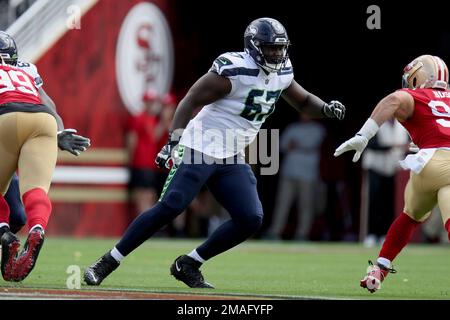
point(426, 71)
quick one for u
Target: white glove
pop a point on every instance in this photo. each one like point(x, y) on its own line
point(413, 147)
point(357, 143)
point(360, 140)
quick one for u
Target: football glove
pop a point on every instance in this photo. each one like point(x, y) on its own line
point(334, 109)
point(360, 140)
point(357, 143)
point(413, 147)
point(69, 141)
point(166, 158)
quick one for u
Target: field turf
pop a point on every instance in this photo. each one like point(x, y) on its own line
point(255, 269)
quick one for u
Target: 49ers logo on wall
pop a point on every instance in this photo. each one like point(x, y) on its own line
point(144, 56)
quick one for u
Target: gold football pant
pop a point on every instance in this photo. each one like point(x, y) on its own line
point(28, 143)
point(430, 187)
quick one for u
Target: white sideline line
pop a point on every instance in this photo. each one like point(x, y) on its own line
point(91, 175)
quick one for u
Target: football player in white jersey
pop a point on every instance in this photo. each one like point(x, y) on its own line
point(67, 139)
point(236, 95)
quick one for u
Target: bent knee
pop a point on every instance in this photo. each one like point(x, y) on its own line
point(417, 216)
point(175, 200)
point(251, 222)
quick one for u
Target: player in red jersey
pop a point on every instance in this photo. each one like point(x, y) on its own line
point(29, 140)
point(423, 108)
point(67, 139)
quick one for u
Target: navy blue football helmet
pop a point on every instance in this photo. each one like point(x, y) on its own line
point(267, 32)
point(8, 49)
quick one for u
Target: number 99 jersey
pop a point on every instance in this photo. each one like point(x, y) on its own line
point(225, 127)
point(429, 126)
point(19, 83)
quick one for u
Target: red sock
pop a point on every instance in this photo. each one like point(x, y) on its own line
point(4, 210)
point(398, 236)
point(37, 207)
point(447, 227)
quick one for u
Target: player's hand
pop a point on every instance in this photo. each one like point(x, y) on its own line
point(165, 158)
point(334, 109)
point(69, 141)
point(357, 143)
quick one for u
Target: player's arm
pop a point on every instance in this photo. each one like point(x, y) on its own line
point(67, 139)
point(399, 104)
point(49, 102)
point(209, 88)
point(304, 101)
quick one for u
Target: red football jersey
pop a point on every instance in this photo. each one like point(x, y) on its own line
point(429, 127)
point(147, 146)
point(17, 86)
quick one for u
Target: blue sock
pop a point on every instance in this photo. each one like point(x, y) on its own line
point(225, 237)
point(144, 226)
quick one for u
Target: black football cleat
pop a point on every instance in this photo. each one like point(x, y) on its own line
point(186, 269)
point(97, 272)
point(27, 258)
point(10, 248)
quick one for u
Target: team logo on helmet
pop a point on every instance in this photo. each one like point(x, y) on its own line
point(251, 30)
point(410, 65)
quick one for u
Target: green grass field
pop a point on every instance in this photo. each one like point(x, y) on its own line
point(255, 268)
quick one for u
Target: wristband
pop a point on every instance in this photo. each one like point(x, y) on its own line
point(369, 129)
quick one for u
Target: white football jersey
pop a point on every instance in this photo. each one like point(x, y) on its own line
point(224, 128)
point(31, 70)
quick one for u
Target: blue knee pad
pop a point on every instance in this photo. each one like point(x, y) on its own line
point(174, 200)
point(182, 189)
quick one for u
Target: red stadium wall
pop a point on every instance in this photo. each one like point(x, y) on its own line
point(79, 73)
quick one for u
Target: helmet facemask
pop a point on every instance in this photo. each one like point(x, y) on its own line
point(272, 62)
point(8, 49)
point(409, 72)
point(7, 59)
